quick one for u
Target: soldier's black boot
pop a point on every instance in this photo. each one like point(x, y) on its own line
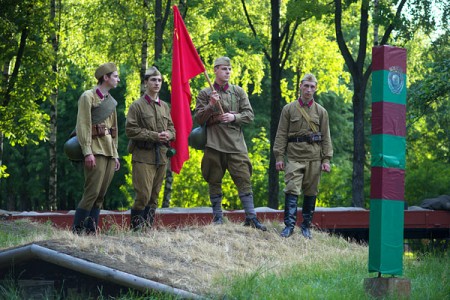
point(290, 215)
point(252, 220)
point(309, 204)
point(216, 204)
point(149, 215)
point(92, 221)
point(249, 208)
point(136, 219)
point(79, 221)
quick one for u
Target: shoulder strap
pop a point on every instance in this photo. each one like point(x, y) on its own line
point(104, 110)
point(307, 118)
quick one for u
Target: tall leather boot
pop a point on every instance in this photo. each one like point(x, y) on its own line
point(216, 204)
point(290, 214)
point(250, 213)
point(79, 221)
point(149, 216)
point(136, 219)
point(92, 221)
point(309, 204)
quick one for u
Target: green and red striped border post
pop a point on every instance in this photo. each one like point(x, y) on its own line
point(388, 160)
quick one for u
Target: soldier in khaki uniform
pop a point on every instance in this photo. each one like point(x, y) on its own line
point(149, 127)
point(303, 136)
point(225, 146)
point(96, 130)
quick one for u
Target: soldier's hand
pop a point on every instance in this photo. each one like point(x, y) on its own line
point(326, 167)
point(279, 165)
point(163, 136)
point(117, 167)
point(214, 98)
point(89, 161)
point(227, 118)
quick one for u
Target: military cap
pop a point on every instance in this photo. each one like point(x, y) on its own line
point(309, 77)
point(105, 69)
point(152, 71)
point(222, 61)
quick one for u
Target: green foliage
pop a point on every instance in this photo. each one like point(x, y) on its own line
point(307, 9)
point(428, 179)
point(335, 187)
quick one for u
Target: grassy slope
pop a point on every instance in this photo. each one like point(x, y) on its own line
point(237, 262)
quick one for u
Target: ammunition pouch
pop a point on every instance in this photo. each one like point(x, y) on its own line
point(100, 130)
point(315, 137)
point(170, 152)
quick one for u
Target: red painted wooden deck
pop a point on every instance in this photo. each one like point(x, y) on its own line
point(345, 221)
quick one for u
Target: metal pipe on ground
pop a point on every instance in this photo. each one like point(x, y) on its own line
point(90, 268)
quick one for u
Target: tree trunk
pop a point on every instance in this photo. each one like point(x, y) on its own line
point(53, 165)
point(159, 30)
point(144, 48)
point(4, 85)
point(168, 187)
point(359, 84)
point(275, 72)
point(359, 153)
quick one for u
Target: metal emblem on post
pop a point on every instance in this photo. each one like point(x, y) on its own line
point(396, 80)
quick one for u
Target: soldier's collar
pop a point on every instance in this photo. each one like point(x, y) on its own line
point(100, 94)
point(224, 88)
point(150, 100)
point(310, 103)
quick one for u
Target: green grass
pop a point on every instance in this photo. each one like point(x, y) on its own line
point(341, 279)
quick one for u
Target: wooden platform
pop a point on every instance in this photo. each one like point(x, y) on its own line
point(349, 222)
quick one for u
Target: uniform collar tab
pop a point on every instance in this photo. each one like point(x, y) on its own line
point(224, 88)
point(309, 104)
point(150, 100)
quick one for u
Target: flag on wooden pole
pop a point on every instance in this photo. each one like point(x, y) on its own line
point(186, 64)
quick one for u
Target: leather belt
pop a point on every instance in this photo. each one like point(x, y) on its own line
point(299, 139)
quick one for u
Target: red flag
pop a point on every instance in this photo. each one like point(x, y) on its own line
point(186, 64)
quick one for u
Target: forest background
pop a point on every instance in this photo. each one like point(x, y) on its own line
point(49, 51)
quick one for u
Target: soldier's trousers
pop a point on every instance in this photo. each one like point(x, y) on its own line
point(214, 165)
point(302, 176)
point(96, 182)
point(147, 182)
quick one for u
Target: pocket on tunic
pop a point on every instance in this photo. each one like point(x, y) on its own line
point(148, 120)
point(295, 124)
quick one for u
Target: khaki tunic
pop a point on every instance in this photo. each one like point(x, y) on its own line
point(301, 157)
point(98, 179)
point(106, 145)
point(144, 121)
point(225, 146)
point(228, 137)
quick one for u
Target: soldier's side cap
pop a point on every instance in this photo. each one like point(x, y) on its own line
point(152, 71)
point(309, 77)
point(105, 69)
point(222, 61)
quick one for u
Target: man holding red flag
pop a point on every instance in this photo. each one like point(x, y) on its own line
point(186, 64)
point(225, 108)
